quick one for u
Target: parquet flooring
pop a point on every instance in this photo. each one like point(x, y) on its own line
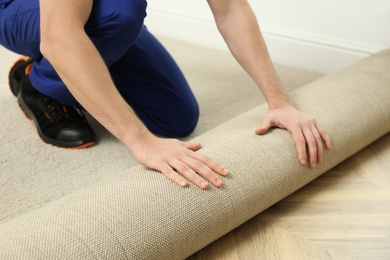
point(344, 214)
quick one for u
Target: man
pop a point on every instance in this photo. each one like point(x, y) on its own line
point(98, 56)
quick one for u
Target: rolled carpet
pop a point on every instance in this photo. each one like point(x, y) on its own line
point(139, 214)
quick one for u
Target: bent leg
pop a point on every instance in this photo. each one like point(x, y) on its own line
point(144, 72)
point(154, 86)
point(113, 27)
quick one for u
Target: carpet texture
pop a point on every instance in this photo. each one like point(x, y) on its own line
point(139, 214)
point(33, 174)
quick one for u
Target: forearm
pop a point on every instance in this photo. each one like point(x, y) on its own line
point(240, 30)
point(89, 81)
point(238, 26)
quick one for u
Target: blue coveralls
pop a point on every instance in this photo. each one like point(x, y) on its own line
point(142, 70)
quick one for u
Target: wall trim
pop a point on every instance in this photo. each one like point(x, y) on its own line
point(288, 47)
point(316, 39)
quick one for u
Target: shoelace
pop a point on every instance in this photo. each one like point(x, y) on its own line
point(57, 112)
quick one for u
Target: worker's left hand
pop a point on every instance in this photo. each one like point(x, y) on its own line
point(308, 135)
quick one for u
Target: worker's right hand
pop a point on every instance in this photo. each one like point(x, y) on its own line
point(178, 161)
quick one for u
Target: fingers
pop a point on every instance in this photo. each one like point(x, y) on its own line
point(209, 163)
point(193, 146)
point(308, 135)
point(185, 170)
point(309, 143)
point(265, 125)
point(171, 174)
point(194, 167)
point(314, 146)
point(300, 144)
point(320, 147)
point(324, 135)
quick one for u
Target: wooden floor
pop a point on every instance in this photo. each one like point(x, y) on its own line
point(344, 214)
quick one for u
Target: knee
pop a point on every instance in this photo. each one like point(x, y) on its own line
point(178, 123)
point(186, 121)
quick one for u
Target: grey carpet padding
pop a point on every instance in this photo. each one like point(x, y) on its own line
point(139, 214)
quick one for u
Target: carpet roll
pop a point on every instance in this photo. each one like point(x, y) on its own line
point(139, 214)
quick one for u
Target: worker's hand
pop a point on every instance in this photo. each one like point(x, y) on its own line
point(179, 161)
point(308, 135)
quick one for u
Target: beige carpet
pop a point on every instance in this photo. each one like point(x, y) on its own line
point(33, 173)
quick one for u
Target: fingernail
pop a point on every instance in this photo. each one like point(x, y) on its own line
point(226, 172)
point(303, 161)
point(203, 184)
point(183, 183)
point(219, 182)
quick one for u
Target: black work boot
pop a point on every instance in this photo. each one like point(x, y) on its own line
point(57, 124)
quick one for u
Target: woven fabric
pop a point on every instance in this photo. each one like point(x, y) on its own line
point(139, 214)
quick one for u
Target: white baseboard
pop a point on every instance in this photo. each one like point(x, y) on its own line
point(292, 48)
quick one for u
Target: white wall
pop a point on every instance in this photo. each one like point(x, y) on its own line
point(317, 35)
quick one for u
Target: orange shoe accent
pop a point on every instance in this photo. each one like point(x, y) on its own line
point(22, 58)
point(28, 69)
point(25, 58)
point(83, 146)
point(87, 145)
point(47, 115)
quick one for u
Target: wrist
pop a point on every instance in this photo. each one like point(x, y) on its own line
point(279, 101)
point(137, 137)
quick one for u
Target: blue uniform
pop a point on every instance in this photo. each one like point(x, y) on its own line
point(142, 70)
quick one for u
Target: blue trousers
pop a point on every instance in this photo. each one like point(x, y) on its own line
point(143, 71)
